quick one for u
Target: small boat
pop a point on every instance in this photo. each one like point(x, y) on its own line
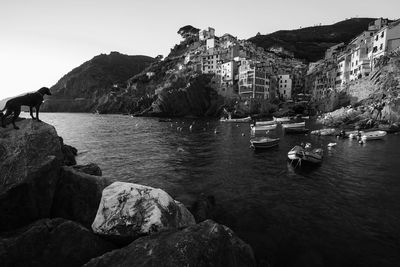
point(296, 130)
point(265, 122)
point(293, 125)
point(298, 153)
point(282, 119)
point(264, 142)
point(375, 135)
point(305, 117)
point(257, 129)
point(332, 144)
point(243, 120)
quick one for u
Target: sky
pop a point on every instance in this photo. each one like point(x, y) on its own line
point(42, 40)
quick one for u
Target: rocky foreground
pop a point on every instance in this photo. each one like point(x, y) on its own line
point(56, 213)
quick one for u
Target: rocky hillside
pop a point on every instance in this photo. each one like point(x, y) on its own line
point(95, 82)
point(310, 43)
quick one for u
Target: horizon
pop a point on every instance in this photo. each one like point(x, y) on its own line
point(44, 40)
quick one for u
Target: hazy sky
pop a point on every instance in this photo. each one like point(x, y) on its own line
point(41, 40)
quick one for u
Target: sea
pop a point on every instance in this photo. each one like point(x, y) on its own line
point(344, 212)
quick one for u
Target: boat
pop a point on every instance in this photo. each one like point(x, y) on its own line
point(257, 129)
point(247, 119)
point(265, 122)
point(375, 135)
point(282, 119)
point(332, 144)
point(296, 130)
point(300, 154)
point(293, 125)
point(264, 142)
point(305, 117)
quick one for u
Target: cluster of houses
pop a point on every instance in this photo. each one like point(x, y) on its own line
point(242, 69)
point(344, 64)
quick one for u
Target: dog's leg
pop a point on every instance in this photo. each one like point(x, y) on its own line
point(37, 112)
point(31, 112)
point(16, 114)
point(4, 117)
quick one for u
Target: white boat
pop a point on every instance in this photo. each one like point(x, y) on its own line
point(265, 122)
point(324, 132)
point(375, 135)
point(292, 154)
point(264, 142)
point(282, 119)
point(293, 125)
point(305, 117)
point(247, 119)
point(257, 129)
point(332, 144)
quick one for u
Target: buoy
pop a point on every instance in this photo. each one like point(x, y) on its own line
point(361, 142)
point(243, 134)
point(191, 127)
point(237, 125)
point(216, 131)
point(308, 145)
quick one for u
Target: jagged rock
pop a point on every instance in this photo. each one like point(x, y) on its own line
point(23, 150)
point(91, 168)
point(77, 196)
point(204, 244)
point(51, 242)
point(69, 153)
point(128, 211)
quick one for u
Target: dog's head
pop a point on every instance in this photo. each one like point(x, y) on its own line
point(44, 91)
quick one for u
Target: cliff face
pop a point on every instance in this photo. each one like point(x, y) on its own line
point(95, 83)
point(311, 43)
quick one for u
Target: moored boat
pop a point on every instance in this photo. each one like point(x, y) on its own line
point(265, 122)
point(375, 135)
point(296, 130)
point(238, 120)
point(324, 132)
point(264, 142)
point(257, 129)
point(282, 119)
point(298, 153)
point(293, 125)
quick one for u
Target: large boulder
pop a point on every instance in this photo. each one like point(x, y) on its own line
point(77, 196)
point(128, 211)
point(23, 150)
point(55, 242)
point(91, 168)
point(69, 153)
point(204, 244)
point(31, 199)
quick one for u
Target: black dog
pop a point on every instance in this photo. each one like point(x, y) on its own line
point(14, 105)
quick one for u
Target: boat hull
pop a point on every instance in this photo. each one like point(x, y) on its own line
point(376, 135)
point(293, 125)
point(262, 128)
point(241, 120)
point(264, 143)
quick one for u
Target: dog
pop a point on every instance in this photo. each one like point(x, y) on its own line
point(32, 100)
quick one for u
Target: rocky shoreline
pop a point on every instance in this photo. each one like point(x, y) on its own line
point(57, 213)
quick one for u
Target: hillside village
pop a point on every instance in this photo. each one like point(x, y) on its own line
point(346, 65)
point(240, 68)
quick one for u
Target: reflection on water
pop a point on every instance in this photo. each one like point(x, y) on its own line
point(344, 212)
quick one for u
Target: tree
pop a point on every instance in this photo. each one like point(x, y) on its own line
point(187, 31)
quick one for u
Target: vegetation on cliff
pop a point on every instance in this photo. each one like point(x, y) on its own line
point(311, 43)
point(95, 82)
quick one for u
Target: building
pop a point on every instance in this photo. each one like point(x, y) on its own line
point(211, 63)
point(285, 86)
point(227, 40)
point(333, 51)
point(206, 34)
point(253, 81)
point(358, 50)
point(212, 43)
point(385, 41)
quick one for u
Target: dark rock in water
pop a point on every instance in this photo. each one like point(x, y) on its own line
point(69, 153)
point(91, 168)
point(77, 196)
point(31, 199)
point(23, 151)
point(204, 244)
point(51, 242)
point(203, 208)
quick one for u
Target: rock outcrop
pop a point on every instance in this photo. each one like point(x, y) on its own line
point(204, 244)
point(77, 196)
point(51, 242)
point(128, 211)
point(91, 168)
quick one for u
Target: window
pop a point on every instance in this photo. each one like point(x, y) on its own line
point(382, 34)
point(381, 47)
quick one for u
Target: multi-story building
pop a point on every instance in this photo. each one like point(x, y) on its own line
point(211, 63)
point(385, 40)
point(253, 81)
point(206, 34)
point(212, 43)
point(358, 49)
point(227, 40)
point(285, 86)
